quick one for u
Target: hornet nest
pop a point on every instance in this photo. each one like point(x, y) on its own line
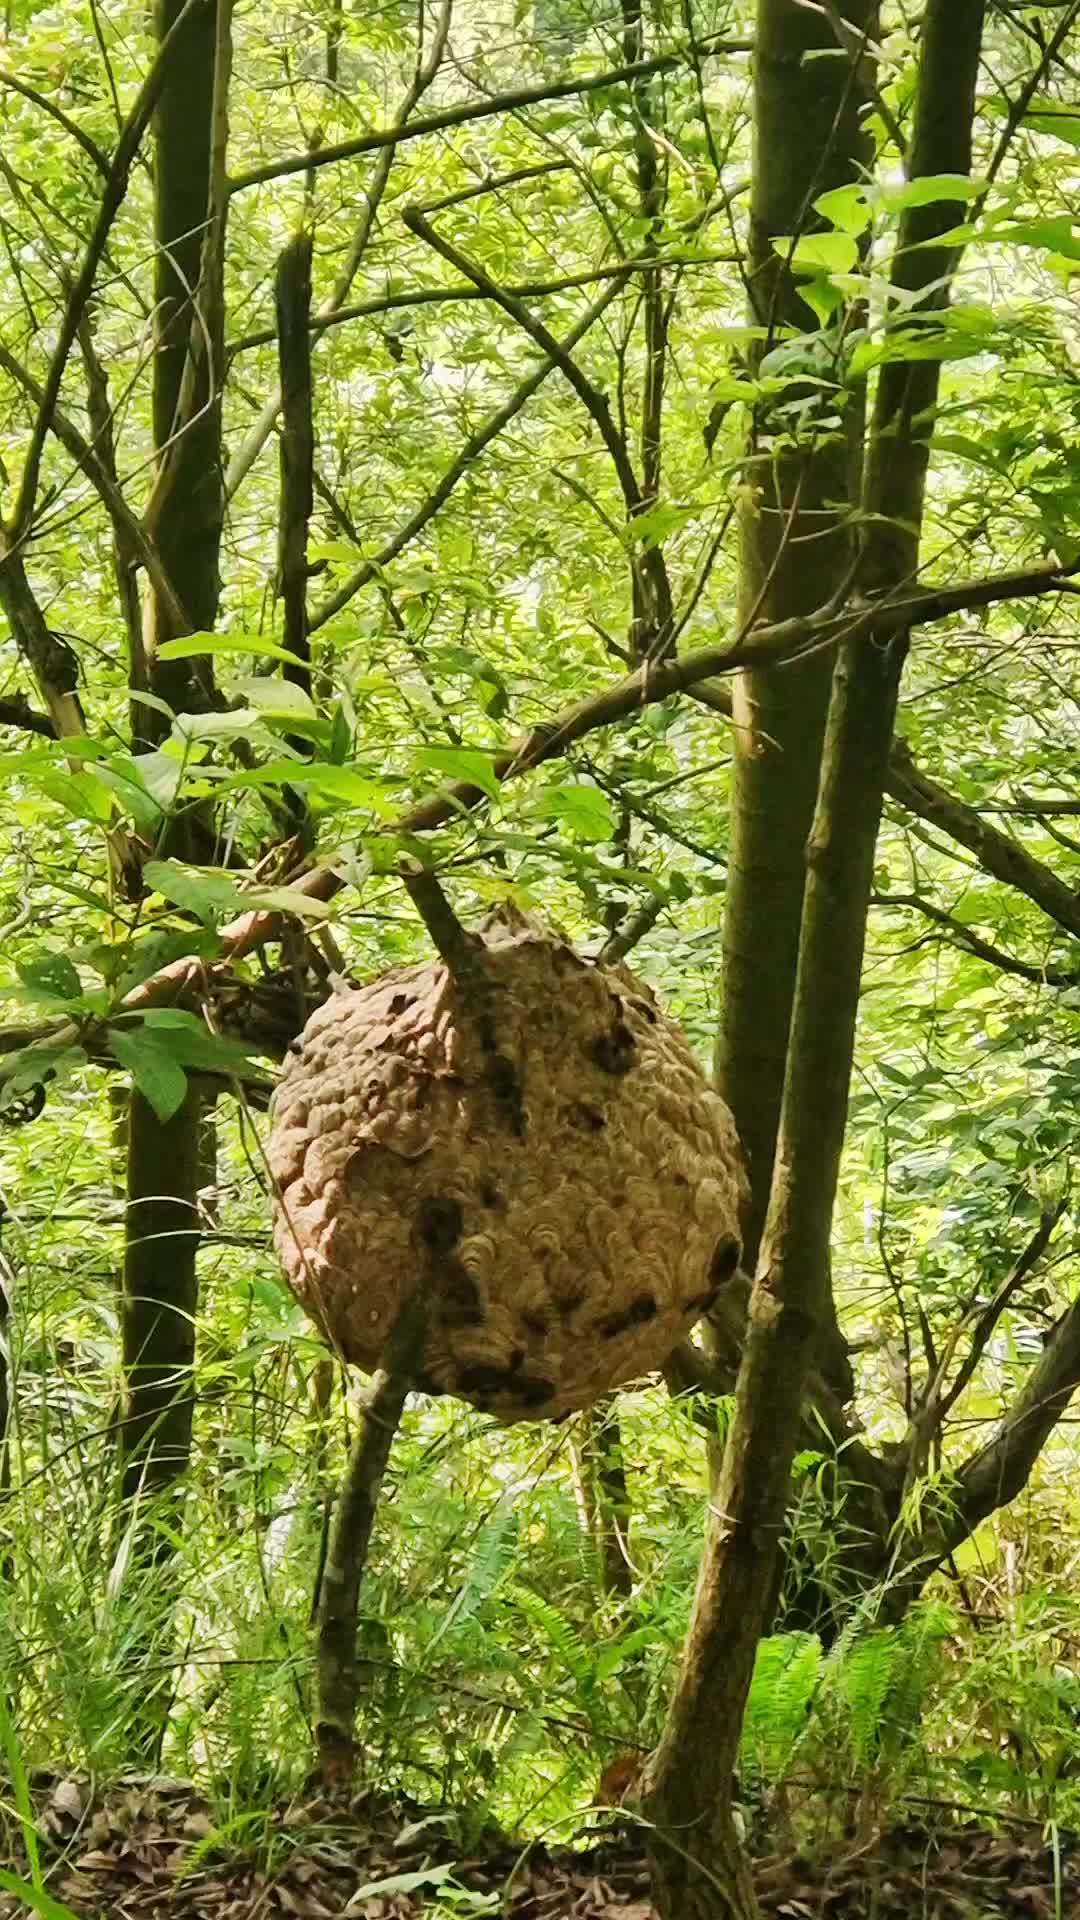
point(531, 1150)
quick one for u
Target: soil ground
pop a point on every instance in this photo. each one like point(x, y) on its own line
point(148, 1848)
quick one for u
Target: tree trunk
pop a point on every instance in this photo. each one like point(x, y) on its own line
point(689, 1785)
point(186, 508)
point(160, 1294)
point(185, 517)
point(603, 1494)
point(797, 550)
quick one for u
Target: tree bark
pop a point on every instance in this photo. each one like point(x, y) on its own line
point(796, 551)
point(187, 503)
point(160, 1288)
point(689, 1784)
point(337, 1679)
point(160, 1294)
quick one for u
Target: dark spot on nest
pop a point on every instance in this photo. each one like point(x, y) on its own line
point(517, 1359)
point(647, 1013)
point(440, 1221)
point(614, 1051)
point(503, 1080)
point(460, 1302)
point(613, 1324)
point(534, 1320)
point(489, 1195)
point(582, 1115)
point(642, 1310)
point(483, 1380)
point(399, 1004)
point(486, 1029)
point(533, 1392)
point(726, 1256)
point(570, 1302)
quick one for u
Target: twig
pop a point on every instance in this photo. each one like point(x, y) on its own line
point(82, 286)
point(456, 946)
point(630, 930)
point(17, 712)
point(457, 116)
point(350, 1541)
point(523, 290)
point(459, 466)
point(297, 451)
point(963, 937)
point(89, 146)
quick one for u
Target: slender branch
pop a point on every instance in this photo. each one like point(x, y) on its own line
point(591, 398)
point(459, 466)
point(999, 1470)
point(547, 741)
point(124, 547)
point(297, 450)
point(995, 851)
point(451, 941)
point(82, 286)
point(426, 70)
point(350, 1541)
point(127, 526)
point(89, 146)
point(51, 660)
point(995, 1307)
point(523, 290)
point(468, 110)
point(16, 711)
point(630, 930)
point(962, 936)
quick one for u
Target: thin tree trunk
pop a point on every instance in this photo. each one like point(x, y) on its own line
point(603, 1494)
point(689, 1786)
point(337, 1677)
point(796, 551)
point(185, 514)
point(186, 508)
point(160, 1294)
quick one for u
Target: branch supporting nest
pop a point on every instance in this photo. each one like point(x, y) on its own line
point(338, 1679)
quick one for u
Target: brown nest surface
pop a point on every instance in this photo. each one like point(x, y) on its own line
point(530, 1149)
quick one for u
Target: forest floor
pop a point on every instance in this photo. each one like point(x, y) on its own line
point(148, 1848)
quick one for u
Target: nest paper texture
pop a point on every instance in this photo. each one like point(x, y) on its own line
point(543, 1160)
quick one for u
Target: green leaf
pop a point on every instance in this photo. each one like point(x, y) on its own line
point(818, 252)
point(652, 527)
point(156, 1072)
point(1054, 117)
point(399, 1883)
point(846, 208)
point(929, 189)
point(465, 764)
point(320, 778)
point(586, 811)
point(35, 1898)
point(190, 1042)
point(274, 696)
point(135, 960)
point(195, 645)
point(52, 977)
point(822, 296)
point(81, 794)
point(288, 900)
point(205, 891)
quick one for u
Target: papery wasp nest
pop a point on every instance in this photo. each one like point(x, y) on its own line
point(544, 1161)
